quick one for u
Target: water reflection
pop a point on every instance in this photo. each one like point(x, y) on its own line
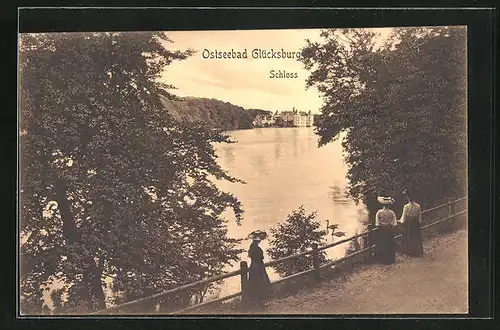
point(277, 143)
point(228, 156)
point(277, 151)
point(339, 195)
point(294, 141)
point(260, 164)
point(277, 134)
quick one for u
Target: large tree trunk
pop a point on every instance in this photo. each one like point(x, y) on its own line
point(92, 277)
point(92, 273)
point(69, 226)
point(97, 288)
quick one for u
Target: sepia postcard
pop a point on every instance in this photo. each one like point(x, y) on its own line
point(241, 172)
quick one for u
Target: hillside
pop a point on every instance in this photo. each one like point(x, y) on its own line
point(215, 113)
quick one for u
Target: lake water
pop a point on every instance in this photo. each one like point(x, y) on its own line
point(283, 169)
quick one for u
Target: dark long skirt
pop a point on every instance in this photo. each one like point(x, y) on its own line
point(259, 285)
point(385, 246)
point(413, 245)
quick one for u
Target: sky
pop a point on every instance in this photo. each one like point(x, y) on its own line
point(245, 82)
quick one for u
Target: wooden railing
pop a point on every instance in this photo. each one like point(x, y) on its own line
point(313, 251)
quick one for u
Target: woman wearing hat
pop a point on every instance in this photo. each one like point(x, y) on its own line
point(259, 285)
point(385, 220)
point(412, 222)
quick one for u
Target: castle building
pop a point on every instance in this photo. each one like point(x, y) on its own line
point(294, 117)
point(298, 118)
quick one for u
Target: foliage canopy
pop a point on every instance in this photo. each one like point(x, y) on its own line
point(111, 187)
point(402, 106)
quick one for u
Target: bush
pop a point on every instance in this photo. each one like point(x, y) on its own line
point(295, 235)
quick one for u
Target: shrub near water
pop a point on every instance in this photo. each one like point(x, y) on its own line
point(295, 235)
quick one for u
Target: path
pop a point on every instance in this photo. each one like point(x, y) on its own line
point(434, 284)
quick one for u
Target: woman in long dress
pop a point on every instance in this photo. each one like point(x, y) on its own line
point(385, 220)
point(412, 222)
point(259, 285)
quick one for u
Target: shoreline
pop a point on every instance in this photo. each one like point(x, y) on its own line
point(250, 128)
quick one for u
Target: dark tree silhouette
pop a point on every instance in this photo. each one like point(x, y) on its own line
point(402, 108)
point(111, 185)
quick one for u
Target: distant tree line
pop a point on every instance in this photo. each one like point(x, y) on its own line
point(259, 112)
point(212, 113)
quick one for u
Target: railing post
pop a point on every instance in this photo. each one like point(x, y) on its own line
point(315, 256)
point(371, 242)
point(244, 281)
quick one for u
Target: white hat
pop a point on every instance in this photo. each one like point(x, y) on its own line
point(385, 200)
